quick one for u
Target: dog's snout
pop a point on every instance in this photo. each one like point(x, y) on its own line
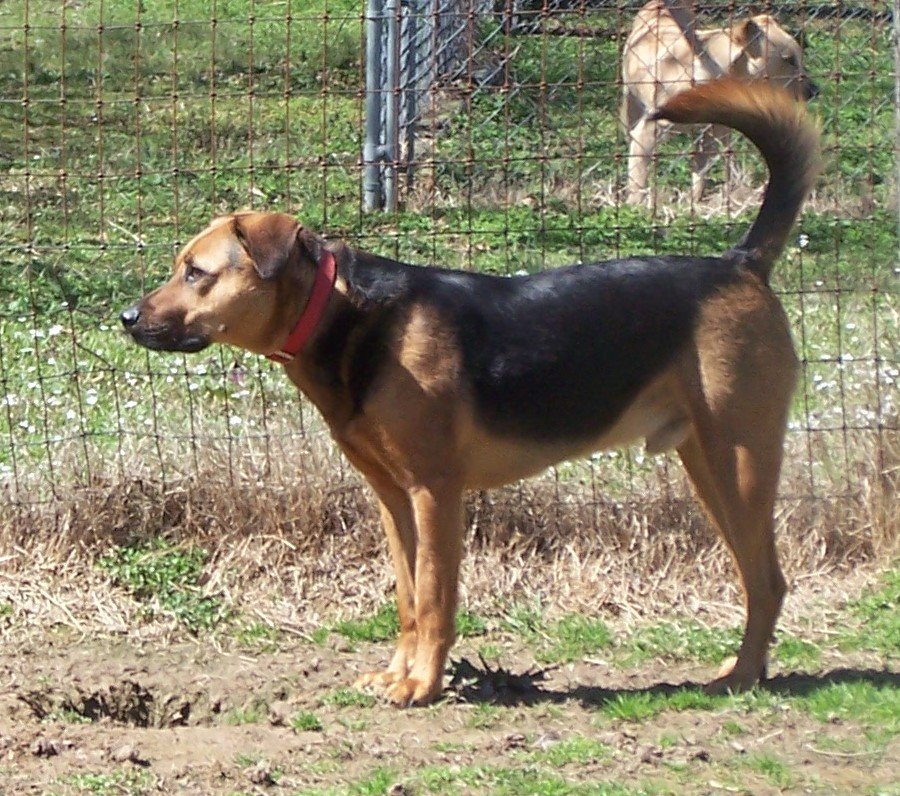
point(130, 316)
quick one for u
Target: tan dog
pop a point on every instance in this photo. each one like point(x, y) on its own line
point(435, 381)
point(665, 53)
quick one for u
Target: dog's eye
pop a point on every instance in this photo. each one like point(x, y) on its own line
point(791, 59)
point(193, 274)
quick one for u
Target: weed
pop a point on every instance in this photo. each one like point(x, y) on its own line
point(130, 782)
point(484, 716)
point(679, 641)
point(167, 579)
point(775, 770)
point(876, 707)
point(254, 713)
point(258, 636)
point(345, 697)
point(570, 638)
point(306, 722)
point(796, 653)
point(576, 750)
point(384, 625)
point(878, 615)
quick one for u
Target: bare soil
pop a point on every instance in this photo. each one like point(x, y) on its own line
point(186, 717)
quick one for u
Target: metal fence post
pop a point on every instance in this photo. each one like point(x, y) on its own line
point(391, 147)
point(372, 189)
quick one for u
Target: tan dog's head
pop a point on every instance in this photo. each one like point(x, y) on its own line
point(767, 51)
point(235, 283)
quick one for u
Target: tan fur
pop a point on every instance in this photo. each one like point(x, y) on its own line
point(721, 402)
point(666, 53)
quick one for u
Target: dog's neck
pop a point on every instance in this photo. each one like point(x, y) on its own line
point(309, 319)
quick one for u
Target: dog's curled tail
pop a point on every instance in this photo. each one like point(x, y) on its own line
point(788, 141)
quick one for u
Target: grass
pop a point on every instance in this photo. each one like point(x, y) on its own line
point(129, 782)
point(166, 579)
point(567, 639)
point(384, 625)
point(772, 768)
point(349, 698)
point(304, 721)
point(877, 617)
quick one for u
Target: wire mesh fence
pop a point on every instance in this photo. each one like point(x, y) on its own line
point(127, 127)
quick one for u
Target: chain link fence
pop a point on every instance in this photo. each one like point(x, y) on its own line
point(490, 133)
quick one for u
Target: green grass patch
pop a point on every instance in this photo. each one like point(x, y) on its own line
point(575, 750)
point(514, 781)
point(384, 625)
point(306, 721)
point(771, 767)
point(875, 707)
point(877, 615)
point(680, 641)
point(258, 636)
point(346, 697)
point(567, 639)
point(797, 653)
point(167, 580)
point(642, 705)
point(130, 782)
point(256, 713)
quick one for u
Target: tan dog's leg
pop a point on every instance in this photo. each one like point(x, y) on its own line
point(641, 143)
point(438, 515)
point(737, 484)
point(399, 527)
point(704, 153)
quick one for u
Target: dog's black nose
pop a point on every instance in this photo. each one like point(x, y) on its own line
point(812, 90)
point(130, 316)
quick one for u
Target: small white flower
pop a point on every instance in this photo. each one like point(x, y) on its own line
point(90, 399)
point(71, 414)
point(234, 420)
point(130, 404)
point(803, 240)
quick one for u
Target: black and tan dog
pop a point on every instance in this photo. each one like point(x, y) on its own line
point(435, 381)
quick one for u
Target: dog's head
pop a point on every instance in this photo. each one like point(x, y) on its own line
point(239, 281)
point(768, 51)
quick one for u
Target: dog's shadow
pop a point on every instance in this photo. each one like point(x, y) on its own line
point(484, 684)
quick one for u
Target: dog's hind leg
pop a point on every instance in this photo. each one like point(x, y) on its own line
point(704, 155)
point(641, 144)
point(733, 457)
point(737, 488)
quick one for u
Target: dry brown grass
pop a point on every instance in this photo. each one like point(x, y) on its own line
point(302, 545)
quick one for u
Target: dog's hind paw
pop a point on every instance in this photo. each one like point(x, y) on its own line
point(734, 678)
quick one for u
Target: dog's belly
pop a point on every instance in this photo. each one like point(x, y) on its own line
point(492, 460)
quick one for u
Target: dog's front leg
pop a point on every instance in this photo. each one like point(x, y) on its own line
point(438, 518)
point(399, 528)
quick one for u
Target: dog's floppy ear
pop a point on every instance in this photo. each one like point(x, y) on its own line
point(748, 35)
point(269, 238)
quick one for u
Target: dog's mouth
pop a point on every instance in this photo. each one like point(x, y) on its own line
point(160, 336)
point(164, 340)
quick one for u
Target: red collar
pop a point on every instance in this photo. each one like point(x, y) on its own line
point(312, 312)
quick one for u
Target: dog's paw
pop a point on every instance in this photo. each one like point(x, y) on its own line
point(376, 681)
point(411, 691)
point(735, 677)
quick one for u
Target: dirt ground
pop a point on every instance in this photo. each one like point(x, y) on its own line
point(118, 715)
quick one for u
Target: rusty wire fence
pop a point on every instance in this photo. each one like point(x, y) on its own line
point(124, 128)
